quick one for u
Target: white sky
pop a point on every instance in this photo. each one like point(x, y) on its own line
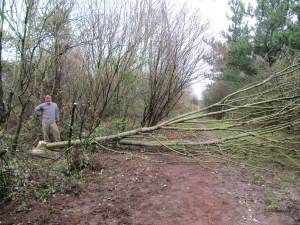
point(214, 11)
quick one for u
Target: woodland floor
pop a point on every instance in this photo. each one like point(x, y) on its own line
point(164, 189)
point(158, 189)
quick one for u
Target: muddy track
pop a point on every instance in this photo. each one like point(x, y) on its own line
point(163, 191)
point(156, 189)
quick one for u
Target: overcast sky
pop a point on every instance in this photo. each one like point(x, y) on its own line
point(214, 11)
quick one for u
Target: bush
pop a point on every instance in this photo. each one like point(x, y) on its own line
point(217, 91)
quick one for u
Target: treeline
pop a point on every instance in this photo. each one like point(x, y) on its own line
point(126, 60)
point(259, 41)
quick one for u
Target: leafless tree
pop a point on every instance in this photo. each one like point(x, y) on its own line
point(118, 58)
point(112, 33)
point(27, 22)
point(174, 57)
point(60, 29)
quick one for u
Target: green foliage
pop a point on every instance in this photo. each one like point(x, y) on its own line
point(235, 57)
point(274, 29)
point(271, 199)
point(292, 34)
point(216, 91)
point(112, 127)
point(4, 172)
point(275, 38)
point(20, 183)
point(23, 179)
point(277, 190)
point(231, 75)
point(277, 29)
point(294, 39)
point(118, 125)
point(238, 56)
point(54, 179)
point(238, 28)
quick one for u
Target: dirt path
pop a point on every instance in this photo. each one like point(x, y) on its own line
point(129, 190)
point(151, 189)
point(193, 196)
point(196, 195)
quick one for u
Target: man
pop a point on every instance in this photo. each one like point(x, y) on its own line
point(50, 116)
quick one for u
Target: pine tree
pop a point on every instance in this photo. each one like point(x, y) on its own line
point(272, 18)
point(239, 48)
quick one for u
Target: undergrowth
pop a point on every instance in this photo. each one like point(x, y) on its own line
point(23, 179)
point(270, 167)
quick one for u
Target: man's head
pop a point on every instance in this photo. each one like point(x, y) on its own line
point(48, 99)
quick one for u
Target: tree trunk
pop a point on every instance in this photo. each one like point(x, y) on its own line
point(19, 127)
point(56, 91)
point(2, 105)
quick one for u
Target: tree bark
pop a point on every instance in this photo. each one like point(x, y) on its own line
point(2, 105)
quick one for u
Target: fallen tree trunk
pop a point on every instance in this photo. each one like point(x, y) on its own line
point(252, 116)
point(109, 138)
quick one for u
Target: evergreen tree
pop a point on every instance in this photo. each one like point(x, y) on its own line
point(292, 37)
point(271, 27)
point(239, 48)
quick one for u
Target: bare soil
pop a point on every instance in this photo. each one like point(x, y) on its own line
point(151, 189)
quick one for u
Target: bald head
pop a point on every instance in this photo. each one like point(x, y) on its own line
point(48, 99)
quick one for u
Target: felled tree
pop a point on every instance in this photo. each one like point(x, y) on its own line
point(254, 126)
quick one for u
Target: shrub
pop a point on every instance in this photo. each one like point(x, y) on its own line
point(217, 91)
